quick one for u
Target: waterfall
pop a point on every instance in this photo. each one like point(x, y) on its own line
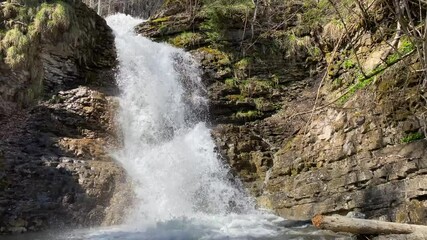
point(167, 147)
point(168, 151)
point(183, 190)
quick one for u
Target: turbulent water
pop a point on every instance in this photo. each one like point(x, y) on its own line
point(168, 151)
point(182, 188)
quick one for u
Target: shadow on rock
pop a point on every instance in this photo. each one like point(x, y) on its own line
point(50, 174)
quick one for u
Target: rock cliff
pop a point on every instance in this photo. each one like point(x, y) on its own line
point(57, 109)
point(318, 108)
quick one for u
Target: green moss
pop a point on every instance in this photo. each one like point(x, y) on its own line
point(242, 69)
point(9, 10)
point(294, 172)
point(220, 58)
point(231, 82)
point(248, 115)
point(244, 63)
point(412, 137)
point(47, 18)
point(363, 81)
point(265, 105)
point(61, 16)
point(348, 64)
point(186, 39)
point(160, 20)
point(406, 45)
point(360, 84)
point(393, 58)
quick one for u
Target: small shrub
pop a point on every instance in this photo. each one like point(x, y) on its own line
point(412, 137)
point(53, 18)
point(16, 44)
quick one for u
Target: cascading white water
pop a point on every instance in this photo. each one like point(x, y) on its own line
point(168, 153)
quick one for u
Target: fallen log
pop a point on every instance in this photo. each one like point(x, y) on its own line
point(367, 227)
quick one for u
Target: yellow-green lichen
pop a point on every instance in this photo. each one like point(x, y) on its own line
point(160, 20)
point(186, 39)
point(248, 115)
point(220, 57)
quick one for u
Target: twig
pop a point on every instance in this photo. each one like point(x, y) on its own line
point(348, 90)
point(321, 82)
point(348, 36)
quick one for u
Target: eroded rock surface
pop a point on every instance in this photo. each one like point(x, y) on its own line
point(59, 132)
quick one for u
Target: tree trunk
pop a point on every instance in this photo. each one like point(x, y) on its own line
point(363, 226)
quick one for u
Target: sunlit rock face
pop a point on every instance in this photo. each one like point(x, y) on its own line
point(352, 144)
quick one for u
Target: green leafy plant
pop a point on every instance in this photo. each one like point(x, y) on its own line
point(348, 64)
point(361, 83)
point(412, 137)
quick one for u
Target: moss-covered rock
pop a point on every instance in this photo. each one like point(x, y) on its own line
point(36, 29)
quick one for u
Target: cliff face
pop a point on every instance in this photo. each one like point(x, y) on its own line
point(315, 111)
point(57, 111)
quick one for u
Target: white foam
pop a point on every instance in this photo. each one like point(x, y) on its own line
point(181, 185)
